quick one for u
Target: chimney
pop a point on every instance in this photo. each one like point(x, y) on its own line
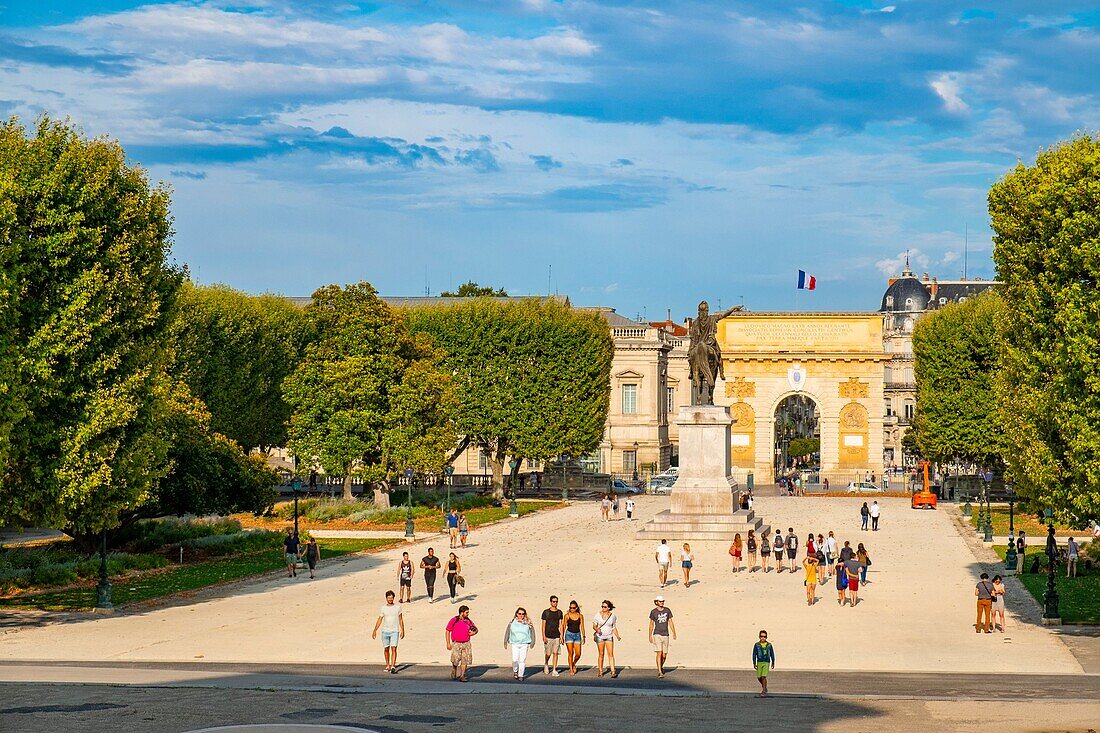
point(925, 277)
point(668, 315)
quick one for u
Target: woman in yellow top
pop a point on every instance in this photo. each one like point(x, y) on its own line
point(810, 564)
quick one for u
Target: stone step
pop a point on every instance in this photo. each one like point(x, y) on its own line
point(693, 535)
point(666, 525)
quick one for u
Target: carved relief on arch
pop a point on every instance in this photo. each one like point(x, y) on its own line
point(742, 435)
point(853, 417)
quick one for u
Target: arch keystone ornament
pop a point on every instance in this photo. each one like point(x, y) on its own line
point(796, 377)
point(853, 388)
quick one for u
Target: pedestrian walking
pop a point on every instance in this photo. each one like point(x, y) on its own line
point(735, 552)
point(405, 578)
point(605, 630)
point(452, 527)
point(663, 556)
point(777, 547)
point(552, 629)
point(765, 551)
point(864, 516)
point(875, 510)
point(605, 508)
point(792, 547)
point(453, 572)
point(810, 567)
point(1021, 549)
point(852, 568)
point(1072, 552)
point(460, 630)
point(864, 562)
point(615, 507)
point(846, 552)
point(822, 561)
point(750, 544)
point(686, 560)
point(313, 556)
point(463, 529)
point(998, 607)
point(763, 658)
point(290, 552)
point(629, 509)
point(811, 548)
point(825, 484)
point(574, 635)
point(830, 552)
point(984, 592)
point(841, 584)
point(430, 564)
point(519, 634)
point(660, 625)
point(392, 623)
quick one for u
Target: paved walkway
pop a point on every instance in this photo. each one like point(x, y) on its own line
point(916, 615)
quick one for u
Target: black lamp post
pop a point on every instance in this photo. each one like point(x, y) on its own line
point(635, 479)
point(410, 530)
point(988, 536)
point(103, 589)
point(564, 485)
point(1011, 503)
point(1051, 615)
point(296, 487)
point(513, 508)
point(450, 471)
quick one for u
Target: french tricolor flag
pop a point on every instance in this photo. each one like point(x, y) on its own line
point(806, 281)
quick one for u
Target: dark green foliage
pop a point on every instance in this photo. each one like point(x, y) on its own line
point(472, 290)
point(1047, 250)
point(532, 377)
point(957, 355)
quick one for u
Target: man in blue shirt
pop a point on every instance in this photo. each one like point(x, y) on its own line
point(763, 658)
point(452, 527)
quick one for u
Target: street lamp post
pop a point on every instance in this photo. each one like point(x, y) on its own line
point(564, 485)
point(513, 508)
point(1051, 614)
point(988, 536)
point(296, 486)
point(450, 471)
point(410, 529)
point(1011, 491)
point(635, 477)
point(103, 589)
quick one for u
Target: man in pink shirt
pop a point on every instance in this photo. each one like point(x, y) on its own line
point(459, 631)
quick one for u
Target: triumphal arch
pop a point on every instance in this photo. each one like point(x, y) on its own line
point(790, 375)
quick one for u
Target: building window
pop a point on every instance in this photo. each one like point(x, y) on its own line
point(630, 460)
point(889, 408)
point(630, 399)
point(889, 301)
point(908, 411)
point(533, 465)
point(482, 460)
point(670, 399)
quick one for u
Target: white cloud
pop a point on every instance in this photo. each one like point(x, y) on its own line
point(947, 86)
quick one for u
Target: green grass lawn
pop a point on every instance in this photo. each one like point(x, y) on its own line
point(1078, 598)
point(181, 579)
point(1027, 522)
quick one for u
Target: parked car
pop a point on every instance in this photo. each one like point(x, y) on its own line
point(662, 487)
point(619, 486)
point(864, 487)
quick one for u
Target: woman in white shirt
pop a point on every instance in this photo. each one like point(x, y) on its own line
point(686, 559)
point(606, 630)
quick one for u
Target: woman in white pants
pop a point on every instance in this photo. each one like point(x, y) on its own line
point(520, 635)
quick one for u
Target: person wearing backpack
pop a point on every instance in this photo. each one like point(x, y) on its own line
point(984, 592)
point(777, 547)
point(763, 658)
point(792, 547)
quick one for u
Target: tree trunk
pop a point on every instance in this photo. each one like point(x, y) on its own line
point(498, 478)
point(381, 495)
point(347, 488)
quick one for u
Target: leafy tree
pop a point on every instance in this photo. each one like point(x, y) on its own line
point(1047, 251)
point(472, 290)
point(86, 293)
point(532, 377)
point(801, 447)
point(234, 350)
point(366, 400)
point(956, 352)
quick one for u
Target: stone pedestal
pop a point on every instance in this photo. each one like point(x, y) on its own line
point(704, 498)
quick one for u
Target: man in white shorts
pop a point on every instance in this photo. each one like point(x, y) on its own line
point(392, 623)
point(663, 556)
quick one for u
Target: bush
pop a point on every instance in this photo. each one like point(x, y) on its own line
point(1092, 550)
point(154, 534)
point(225, 544)
point(55, 566)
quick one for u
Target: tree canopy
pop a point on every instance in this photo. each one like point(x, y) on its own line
point(86, 293)
point(472, 290)
point(367, 400)
point(956, 354)
point(1047, 251)
point(234, 350)
point(532, 377)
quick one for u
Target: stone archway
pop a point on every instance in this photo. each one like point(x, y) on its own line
point(795, 416)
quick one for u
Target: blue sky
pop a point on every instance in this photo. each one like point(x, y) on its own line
point(651, 153)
